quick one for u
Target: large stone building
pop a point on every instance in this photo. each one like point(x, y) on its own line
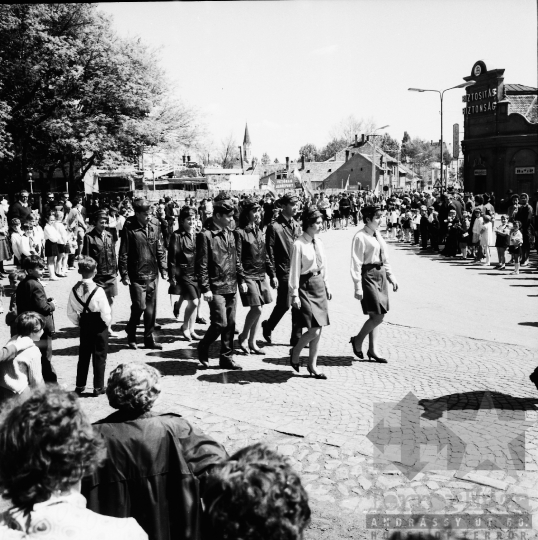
point(501, 134)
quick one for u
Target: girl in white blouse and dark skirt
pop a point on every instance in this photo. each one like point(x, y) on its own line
point(370, 271)
point(309, 289)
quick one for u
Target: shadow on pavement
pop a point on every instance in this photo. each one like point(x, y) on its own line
point(73, 351)
point(528, 324)
point(186, 354)
point(266, 376)
point(175, 367)
point(473, 401)
point(322, 360)
point(536, 285)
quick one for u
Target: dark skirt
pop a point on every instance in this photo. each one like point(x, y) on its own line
point(375, 290)
point(502, 241)
point(186, 288)
point(109, 285)
point(258, 293)
point(62, 248)
point(314, 307)
point(51, 249)
point(5, 249)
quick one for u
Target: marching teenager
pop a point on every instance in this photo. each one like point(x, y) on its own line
point(309, 289)
point(216, 267)
point(141, 258)
point(251, 275)
point(181, 273)
point(279, 239)
point(370, 271)
point(99, 244)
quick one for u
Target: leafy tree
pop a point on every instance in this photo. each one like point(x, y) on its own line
point(388, 145)
point(276, 161)
point(310, 152)
point(350, 126)
point(406, 138)
point(73, 94)
point(265, 159)
point(331, 149)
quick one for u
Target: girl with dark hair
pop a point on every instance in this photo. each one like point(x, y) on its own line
point(252, 264)
point(309, 289)
point(182, 278)
point(370, 271)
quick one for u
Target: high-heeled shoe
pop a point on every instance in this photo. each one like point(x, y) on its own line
point(316, 375)
point(356, 352)
point(376, 358)
point(297, 366)
point(242, 347)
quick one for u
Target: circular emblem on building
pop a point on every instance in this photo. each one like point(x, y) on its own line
point(477, 70)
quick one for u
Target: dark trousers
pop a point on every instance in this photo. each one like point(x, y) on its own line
point(416, 235)
point(93, 343)
point(354, 216)
point(71, 260)
point(143, 301)
point(282, 305)
point(45, 346)
point(525, 249)
point(434, 240)
point(424, 238)
point(222, 316)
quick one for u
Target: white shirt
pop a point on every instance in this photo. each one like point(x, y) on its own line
point(15, 244)
point(303, 261)
point(52, 234)
point(99, 303)
point(23, 371)
point(62, 231)
point(365, 249)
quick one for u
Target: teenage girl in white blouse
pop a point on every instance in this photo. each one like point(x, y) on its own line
point(370, 271)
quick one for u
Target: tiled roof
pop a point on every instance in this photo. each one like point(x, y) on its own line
point(317, 171)
point(525, 105)
point(519, 88)
point(264, 170)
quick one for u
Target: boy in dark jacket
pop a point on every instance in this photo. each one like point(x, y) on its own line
point(31, 297)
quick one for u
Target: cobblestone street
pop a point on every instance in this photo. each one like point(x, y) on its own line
point(452, 415)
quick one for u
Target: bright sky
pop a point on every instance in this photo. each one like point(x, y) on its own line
point(293, 70)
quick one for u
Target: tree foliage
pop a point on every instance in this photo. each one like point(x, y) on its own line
point(388, 145)
point(332, 148)
point(265, 159)
point(309, 152)
point(73, 94)
point(350, 126)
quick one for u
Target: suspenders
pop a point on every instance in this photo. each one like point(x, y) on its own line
point(85, 305)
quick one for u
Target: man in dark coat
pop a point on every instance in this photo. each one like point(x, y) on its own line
point(524, 214)
point(279, 240)
point(31, 297)
point(157, 464)
point(141, 258)
point(20, 209)
point(216, 267)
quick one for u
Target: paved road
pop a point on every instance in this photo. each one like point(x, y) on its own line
point(452, 415)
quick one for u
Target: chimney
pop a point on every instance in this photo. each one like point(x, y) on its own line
point(363, 139)
point(302, 163)
point(287, 163)
point(356, 140)
point(184, 158)
point(188, 158)
point(347, 155)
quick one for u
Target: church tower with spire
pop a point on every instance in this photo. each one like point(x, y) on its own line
point(247, 152)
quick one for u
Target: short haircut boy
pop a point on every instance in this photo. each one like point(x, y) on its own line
point(28, 323)
point(86, 266)
point(32, 262)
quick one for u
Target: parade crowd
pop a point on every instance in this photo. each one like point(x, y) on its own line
point(174, 480)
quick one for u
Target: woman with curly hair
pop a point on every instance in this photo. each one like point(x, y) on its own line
point(46, 446)
point(255, 494)
point(309, 289)
point(157, 463)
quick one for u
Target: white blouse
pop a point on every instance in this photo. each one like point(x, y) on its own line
point(303, 261)
point(52, 234)
point(365, 249)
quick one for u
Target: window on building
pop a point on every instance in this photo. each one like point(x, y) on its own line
point(308, 171)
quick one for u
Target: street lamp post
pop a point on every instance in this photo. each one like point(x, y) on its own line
point(441, 94)
point(374, 135)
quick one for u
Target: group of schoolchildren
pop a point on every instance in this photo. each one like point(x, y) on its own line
point(471, 236)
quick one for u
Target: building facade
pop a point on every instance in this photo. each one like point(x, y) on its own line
point(500, 147)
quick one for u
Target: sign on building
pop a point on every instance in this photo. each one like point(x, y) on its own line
point(524, 170)
point(456, 141)
point(480, 172)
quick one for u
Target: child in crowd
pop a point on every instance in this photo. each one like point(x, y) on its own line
point(20, 375)
point(415, 226)
point(61, 260)
point(406, 226)
point(394, 216)
point(464, 238)
point(52, 237)
point(516, 241)
point(38, 236)
point(486, 233)
point(15, 234)
point(14, 279)
point(89, 309)
point(424, 227)
point(502, 242)
point(477, 222)
point(112, 227)
point(434, 230)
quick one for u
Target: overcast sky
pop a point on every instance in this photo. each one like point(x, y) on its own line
point(293, 70)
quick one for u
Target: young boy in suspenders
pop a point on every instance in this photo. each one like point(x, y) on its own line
point(88, 308)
